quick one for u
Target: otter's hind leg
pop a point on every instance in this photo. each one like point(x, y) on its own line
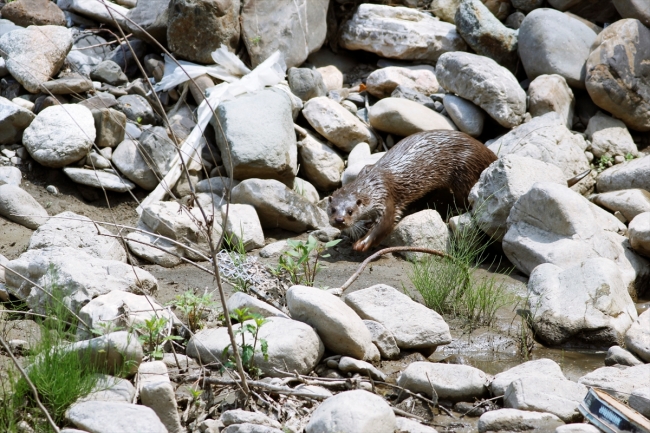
point(380, 230)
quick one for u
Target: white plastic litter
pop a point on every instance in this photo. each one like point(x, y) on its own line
point(238, 80)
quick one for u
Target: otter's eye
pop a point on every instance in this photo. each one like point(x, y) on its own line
point(349, 211)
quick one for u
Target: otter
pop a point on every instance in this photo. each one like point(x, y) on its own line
point(416, 166)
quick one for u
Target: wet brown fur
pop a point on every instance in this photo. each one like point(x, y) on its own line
point(417, 165)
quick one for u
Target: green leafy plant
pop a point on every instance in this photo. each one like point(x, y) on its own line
point(151, 334)
point(249, 324)
point(193, 306)
point(448, 284)
point(604, 162)
point(301, 263)
point(629, 157)
point(256, 40)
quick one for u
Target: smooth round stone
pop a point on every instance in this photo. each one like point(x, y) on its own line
point(403, 117)
point(466, 115)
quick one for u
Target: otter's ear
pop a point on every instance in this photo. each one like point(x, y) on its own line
point(330, 199)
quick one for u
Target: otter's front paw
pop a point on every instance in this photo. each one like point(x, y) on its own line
point(361, 245)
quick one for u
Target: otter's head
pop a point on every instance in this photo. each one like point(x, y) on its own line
point(346, 207)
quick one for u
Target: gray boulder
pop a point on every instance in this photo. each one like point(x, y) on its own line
point(630, 174)
point(256, 136)
point(484, 82)
point(559, 397)
point(147, 245)
point(640, 401)
point(550, 42)
point(322, 164)
point(306, 83)
point(19, 206)
point(424, 229)
point(615, 82)
point(292, 346)
point(13, 121)
point(399, 33)
point(413, 325)
point(620, 356)
point(514, 420)
point(549, 224)
point(502, 184)
point(451, 382)
point(107, 13)
point(383, 339)
point(637, 338)
point(637, 9)
point(340, 328)
point(99, 179)
point(240, 300)
point(136, 108)
point(629, 202)
point(402, 117)
point(10, 176)
point(69, 229)
point(110, 126)
point(278, 206)
point(465, 114)
point(107, 417)
point(157, 392)
point(421, 78)
point(485, 34)
point(109, 72)
point(639, 233)
point(60, 135)
point(548, 93)
point(295, 28)
point(149, 16)
point(540, 368)
point(609, 137)
point(243, 226)
point(620, 382)
point(352, 412)
point(583, 305)
point(35, 54)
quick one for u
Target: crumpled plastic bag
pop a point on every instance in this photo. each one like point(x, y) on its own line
point(238, 79)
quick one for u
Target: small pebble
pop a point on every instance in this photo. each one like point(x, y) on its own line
point(52, 189)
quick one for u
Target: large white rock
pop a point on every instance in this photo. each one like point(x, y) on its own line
point(321, 164)
point(640, 401)
point(407, 425)
point(399, 33)
point(421, 78)
point(451, 382)
point(629, 202)
point(545, 138)
point(109, 417)
point(60, 135)
point(337, 124)
point(34, 55)
point(552, 224)
point(383, 339)
point(69, 229)
point(292, 346)
point(403, 117)
point(619, 382)
point(256, 136)
point(10, 175)
point(501, 185)
point(278, 206)
point(110, 388)
point(484, 82)
point(240, 300)
point(548, 93)
point(609, 137)
point(13, 121)
point(352, 412)
point(551, 42)
point(586, 304)
point(560, 397)
point(516, 420)
point(157, 392)
point(340, 328)
point(102, 12)
point(19, 206)
point(116, 353)
point(630, 174)
point(243, 225)
point(79, 276)
point(466, 115)
point(541, 368)
point(424, 229)
point(184, 225)
point(639, 233)
point(121, 309)
point(413, 325)
point(637, 338)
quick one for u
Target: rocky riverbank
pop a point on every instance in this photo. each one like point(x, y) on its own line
point(150, 149)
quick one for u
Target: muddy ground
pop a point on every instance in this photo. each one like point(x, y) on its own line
point(491, 349)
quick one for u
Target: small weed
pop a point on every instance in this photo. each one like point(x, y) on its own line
point(193, 307)
point(301, 263)
point(604, 162)
point(256, 40)
point(629, 157)
point(195, 394)
point(105, 327)
point(152, 336)
point(250, 324)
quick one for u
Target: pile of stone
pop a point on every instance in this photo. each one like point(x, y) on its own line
point(553, 91)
